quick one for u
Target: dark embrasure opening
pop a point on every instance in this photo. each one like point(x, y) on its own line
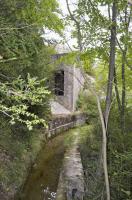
point(59, 83)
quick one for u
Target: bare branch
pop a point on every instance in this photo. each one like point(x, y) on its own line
point(5, 113)
point(8, 60)
point(77, 25)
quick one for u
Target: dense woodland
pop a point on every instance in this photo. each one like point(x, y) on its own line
point(103, 31)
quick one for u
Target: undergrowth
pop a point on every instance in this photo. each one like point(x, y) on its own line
point(119, 154)
point(18, 149)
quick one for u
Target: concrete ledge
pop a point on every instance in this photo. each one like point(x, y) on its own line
point(61, 123)
point(71, 182)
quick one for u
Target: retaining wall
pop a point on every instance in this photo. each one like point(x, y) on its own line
point(64, 122)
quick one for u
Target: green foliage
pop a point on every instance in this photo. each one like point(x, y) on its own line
point(23, 25)
point(87, 104)
point(88, 59)
point(68, 58)
point(94, 19)
point(74, 58)
point(23, 51)
point(90, 149)
point(17, 153)
point(100, 74)
point(17, 97)
point(120, 156)
point(119, 151)
point(128, 73)
point(25, 71)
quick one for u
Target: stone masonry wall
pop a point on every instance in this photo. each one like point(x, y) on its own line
point(62, 123)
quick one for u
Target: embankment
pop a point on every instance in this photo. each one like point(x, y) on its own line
point(19, 149)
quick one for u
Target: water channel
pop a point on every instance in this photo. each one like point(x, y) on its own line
point(43, 179)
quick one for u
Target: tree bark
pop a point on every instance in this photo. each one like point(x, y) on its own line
point(104, 149)
point(124, 55)
point(111, 64)
point(123, 97)
point(117, 92)
point(104, 130)
point(79, 36)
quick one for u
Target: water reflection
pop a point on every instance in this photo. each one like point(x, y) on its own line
point(47, 194)
point(43, 179)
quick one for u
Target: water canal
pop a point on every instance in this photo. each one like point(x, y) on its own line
point(43, 179)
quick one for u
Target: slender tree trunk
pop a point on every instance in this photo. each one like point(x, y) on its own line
point(123, 75)
point(117, 92)
point(104, 150)
point(109, 92)
point(111, 64)
point(123, 98)
point(104, 130)
point(123, 94)
point(79, 36)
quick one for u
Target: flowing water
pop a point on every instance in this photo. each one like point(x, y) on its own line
point(42, 182)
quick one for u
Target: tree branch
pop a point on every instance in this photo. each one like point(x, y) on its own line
point(77, 25)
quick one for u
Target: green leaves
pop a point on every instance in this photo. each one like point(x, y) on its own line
point(25, 98)
point(22, 29)
point(17, 97)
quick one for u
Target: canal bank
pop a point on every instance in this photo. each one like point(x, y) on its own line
point(43, 179)
point(19, 149)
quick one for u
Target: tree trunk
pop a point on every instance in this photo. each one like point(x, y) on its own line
point(104, 149)
point(104, 130)
point(117, 92)
point(79, 36)
point(123, 75)
point(111, 64)
point(123, 95)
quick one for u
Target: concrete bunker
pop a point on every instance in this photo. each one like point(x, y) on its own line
point(68, 81)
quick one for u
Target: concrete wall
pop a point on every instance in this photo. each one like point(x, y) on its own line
point(62, 123)
point(78, 82)
point(67, 99)
point(73, 83)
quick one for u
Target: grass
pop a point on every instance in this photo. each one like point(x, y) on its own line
point(18, 149)
point(90, 148)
